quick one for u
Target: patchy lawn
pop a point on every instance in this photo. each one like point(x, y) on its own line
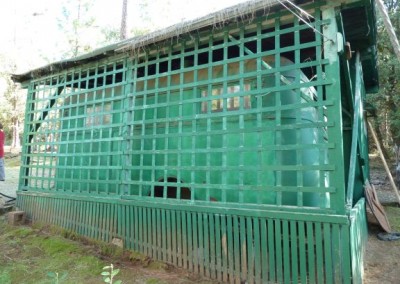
point(35, 254)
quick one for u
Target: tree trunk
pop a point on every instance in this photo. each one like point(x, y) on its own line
point(123, 19)
point(16, 143)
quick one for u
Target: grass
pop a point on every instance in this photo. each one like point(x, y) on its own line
point(28, 255)
point(33, 254)
point(393, 213)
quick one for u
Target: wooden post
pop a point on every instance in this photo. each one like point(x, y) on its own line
point(384, 162)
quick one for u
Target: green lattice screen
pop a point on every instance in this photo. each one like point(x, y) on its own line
point(233, 115)
point(74, 127)
point(239, 114)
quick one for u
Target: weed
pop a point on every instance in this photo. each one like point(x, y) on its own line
point(22, 232)
point(68, 234)
point(110, 250)
point(56, 279)
point(109, 273)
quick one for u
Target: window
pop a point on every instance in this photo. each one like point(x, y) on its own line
point(98, 114)
point(232, 103)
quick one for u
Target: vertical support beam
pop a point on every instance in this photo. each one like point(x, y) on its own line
point(127, 130)
point(354, 153)
point(333, 92)
point(27, 149)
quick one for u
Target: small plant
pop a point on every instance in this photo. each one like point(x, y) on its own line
point(108, 274)
point(56, 278)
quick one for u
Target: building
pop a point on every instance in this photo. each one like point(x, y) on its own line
point(233, 145)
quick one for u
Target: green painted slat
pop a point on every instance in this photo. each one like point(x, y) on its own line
point(264, 262)
point(319, 252)
point(164, 231)
point(286, 252)
point(237, 248)
point(88, 219)
point(257, 252)
point(126, 230)
point(97, 224)
point(140, 230)
point(207, 245)
point(136, 235)
point(103, 222)
point(81, 220)
point(311, 253)
point(196, 251)
point(81, 226)
point(328, 263)
point(303, 251)
point(225, 251)
point(159, 234)
point(107, 225)
point(250, 249)
point(71, 215)
point(131, 227)
point(231, 254)
point(63, 213)
point(58, 217)
point(278, 250)
point(295, 242)
point(174, 244)
point(271, 250)
point(154, 234)
point(201, 243)
point(219, 246)
point(190, 235)
point(92, 221)
point(185, 245)
point(147, 231)
point(212, 241)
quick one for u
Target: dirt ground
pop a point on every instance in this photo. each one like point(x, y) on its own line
point(382, 261)
point(382, 258)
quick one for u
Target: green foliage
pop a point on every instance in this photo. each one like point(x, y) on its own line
point(387, 100)
point(12, 102)
point(77, 24)
point(109, 273)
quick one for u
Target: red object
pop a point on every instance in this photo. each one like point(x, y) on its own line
point(1, 144)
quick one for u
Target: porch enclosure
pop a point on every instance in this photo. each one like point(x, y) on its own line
point(237, 152)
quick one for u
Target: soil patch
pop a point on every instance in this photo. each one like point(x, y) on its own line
point(382, 261)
